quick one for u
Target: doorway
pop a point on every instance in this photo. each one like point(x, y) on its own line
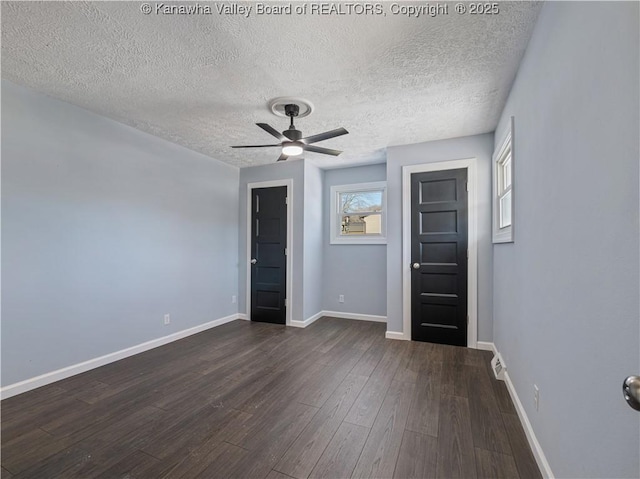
point(439, 239)
point(268, 252)
point(440, 252)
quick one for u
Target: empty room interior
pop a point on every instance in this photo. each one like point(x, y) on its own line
point(320, 240)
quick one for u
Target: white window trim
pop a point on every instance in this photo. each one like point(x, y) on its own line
point(334, 215)
point(503, 235)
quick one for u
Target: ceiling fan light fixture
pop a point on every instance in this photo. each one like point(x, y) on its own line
point(292, 148)
point(291, 139)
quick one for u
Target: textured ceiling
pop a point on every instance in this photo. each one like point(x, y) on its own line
point(202, 80)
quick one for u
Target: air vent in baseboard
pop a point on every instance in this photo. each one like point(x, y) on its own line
point(498, 367)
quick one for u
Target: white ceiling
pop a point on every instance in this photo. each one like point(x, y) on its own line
point(202, 81)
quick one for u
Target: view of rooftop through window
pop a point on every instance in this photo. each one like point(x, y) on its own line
point(361, 212)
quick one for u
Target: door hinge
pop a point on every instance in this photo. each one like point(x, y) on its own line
point(466, 185)
point(257, 204)
point(467, 254)
point(285, 302)
point(285, 251)
point(286, 200)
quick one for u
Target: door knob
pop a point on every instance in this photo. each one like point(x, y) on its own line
point(254, 261)
point(631, 391)
point(416, 265)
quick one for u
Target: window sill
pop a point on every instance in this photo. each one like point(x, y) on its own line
point(354, 240)
point(503, 236)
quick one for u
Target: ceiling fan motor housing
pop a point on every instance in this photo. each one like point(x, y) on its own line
point(292, 134)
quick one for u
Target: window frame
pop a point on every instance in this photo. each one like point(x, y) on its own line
point(503, 156)
point(335, 214)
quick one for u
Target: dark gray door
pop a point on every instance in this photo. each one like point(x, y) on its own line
point(439, 227)
point(268, 258)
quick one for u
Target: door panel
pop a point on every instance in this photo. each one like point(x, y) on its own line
point(439, 226)
point(268, 243)
point(438, 222)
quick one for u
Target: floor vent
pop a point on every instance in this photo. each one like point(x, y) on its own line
point(498, 367)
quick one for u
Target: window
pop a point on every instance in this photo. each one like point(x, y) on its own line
point(358, 213)
point(503, 190)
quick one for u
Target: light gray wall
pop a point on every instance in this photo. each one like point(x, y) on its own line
point(566, 292)
point(292, 169)
point(359, 272)
point(104, 230)
point(313, 235)
point(479, 147)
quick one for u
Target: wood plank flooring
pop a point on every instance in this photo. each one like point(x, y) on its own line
point(253, 400)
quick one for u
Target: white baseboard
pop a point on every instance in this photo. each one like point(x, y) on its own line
point(53, 376)
point(359, 317)
point(333, 314)
point(338, 314)
point(538, 453)
point(395, 335)
point(243, 316)
point(486, 346)
point(308, 321)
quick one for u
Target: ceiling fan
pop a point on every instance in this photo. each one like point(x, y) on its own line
point(291, 139)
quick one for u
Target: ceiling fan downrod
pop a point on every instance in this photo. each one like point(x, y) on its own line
point(292, 111)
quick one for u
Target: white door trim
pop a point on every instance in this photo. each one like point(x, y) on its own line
point(289, 264)
point(472, 266)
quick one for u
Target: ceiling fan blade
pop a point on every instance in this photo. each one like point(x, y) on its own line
point(272, 131)
point(318, 149)
point(324, 136)
point(282, 157)
point(253, 146)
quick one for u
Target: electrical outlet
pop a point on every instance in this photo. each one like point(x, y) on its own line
point(167, 319)
point(536, 397)
point(234, 299)
point(341, 298)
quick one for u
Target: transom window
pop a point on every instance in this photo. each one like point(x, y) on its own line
point(358, 213)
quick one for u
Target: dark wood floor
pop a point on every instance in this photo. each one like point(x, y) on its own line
point(251, 400)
